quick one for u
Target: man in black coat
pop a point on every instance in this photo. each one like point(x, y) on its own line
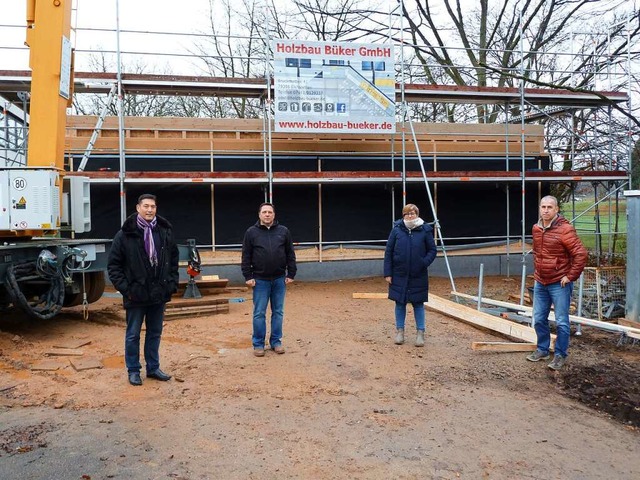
point(268, 265)
point(143, 267)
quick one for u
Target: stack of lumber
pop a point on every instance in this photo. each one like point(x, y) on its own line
point(206, 287)
point(195, 307)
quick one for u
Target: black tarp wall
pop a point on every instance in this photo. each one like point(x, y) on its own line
point(354, 212)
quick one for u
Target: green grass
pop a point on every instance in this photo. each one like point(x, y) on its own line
point(586, 224)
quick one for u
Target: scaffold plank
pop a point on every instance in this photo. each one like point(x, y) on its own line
point(148, 84)
point(338, 177)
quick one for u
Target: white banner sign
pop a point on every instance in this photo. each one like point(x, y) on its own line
point(334, 87)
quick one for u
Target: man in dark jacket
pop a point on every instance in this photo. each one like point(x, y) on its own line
point(143, 267)
point(559, 258)
point(268, 265)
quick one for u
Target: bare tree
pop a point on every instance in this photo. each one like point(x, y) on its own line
point(235, 48)
point(330, 20)
point(133, 105)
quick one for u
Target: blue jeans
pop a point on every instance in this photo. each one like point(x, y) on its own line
point(266, 291)
point(560, 297)
point(418, 312)
point(153, 316)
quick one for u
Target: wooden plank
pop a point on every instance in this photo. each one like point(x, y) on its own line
point(612, 327)
point(203, 291)
point(138, 143)
point(71, 343)
point(628, 323)
point(186, 134)
point(484, 320)
point(195, 302)
point(199, 308)
point(47, 366)
point(371, 295)
point(212, 310)
point(65, 352)
point(217, 283)
point(206, 278)
point(250, 124)
point(80, 364)
point(503, 347)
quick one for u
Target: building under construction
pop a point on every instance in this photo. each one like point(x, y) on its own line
point(480, 182)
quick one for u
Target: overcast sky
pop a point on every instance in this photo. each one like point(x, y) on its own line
point(148, 15)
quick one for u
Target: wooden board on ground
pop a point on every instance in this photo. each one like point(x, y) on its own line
point(48, 365)
point(195, 302)
point(217, 283)
point(371, 295)
point(503, 347)
point(481, 319)
point(180, 312)
point(72, 343)
point(80, 364)
point(629, 331)
point(65, 352)
point(628, 323)
point(204, 291)
point(237, 289)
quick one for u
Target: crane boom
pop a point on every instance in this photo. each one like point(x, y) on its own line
point(48, 37)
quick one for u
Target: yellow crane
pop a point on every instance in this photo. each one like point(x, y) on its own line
point(40, 271)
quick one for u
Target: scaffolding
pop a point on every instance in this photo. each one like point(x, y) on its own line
point(551, 106)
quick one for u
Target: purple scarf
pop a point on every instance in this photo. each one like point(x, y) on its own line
point(149, 245)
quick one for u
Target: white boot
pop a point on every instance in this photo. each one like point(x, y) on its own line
point(399, 336)
point(420, 339)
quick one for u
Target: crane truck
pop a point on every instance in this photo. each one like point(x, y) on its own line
point(42, 268)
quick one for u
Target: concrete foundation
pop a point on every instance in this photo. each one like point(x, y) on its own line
point(461, 266)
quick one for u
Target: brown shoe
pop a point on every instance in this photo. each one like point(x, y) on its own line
point(279, 349)
point(258, 352)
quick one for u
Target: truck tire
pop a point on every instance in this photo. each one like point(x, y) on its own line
point(95, 286)
point(94, 283)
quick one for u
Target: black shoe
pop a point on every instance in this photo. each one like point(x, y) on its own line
point(159, 375)
point(134, 378)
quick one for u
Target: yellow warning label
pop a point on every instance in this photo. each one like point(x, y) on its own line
point(22, 204)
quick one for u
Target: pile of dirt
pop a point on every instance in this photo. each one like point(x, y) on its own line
point(612, 387)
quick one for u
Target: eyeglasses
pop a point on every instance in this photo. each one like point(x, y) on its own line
point(411, 214)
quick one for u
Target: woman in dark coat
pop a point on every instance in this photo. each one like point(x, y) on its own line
point(410, 250)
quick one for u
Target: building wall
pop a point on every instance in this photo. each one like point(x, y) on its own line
point(343, 212)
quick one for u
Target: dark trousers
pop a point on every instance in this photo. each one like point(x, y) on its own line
point(153, 316)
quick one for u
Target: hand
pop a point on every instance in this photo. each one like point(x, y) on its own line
point(564, 281)
point(288, 280)
point(251, 283)
point(388, 279)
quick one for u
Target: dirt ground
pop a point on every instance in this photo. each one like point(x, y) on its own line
point(343, 402)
